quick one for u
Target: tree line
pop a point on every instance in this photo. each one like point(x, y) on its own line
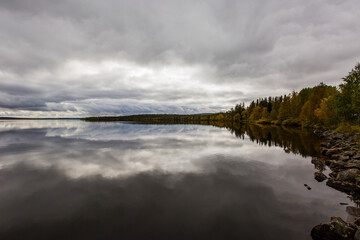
point(320, 106)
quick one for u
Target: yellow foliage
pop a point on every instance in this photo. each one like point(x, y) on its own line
point(220, 117)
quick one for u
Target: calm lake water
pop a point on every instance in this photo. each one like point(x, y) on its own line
point(71, 179)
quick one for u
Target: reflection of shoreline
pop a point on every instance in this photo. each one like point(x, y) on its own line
point(164, 145)
point(295, 140)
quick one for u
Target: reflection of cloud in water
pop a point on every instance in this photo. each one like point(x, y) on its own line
point(78, 180)
point(229, 199)
point(107, 131)
point(113, 149)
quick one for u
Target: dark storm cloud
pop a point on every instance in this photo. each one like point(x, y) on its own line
point(18, 89)
point(31, 103)
point(274, 46)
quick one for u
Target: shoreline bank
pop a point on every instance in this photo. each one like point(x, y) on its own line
point(340, 152)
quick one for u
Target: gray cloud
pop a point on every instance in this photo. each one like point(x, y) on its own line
point(257, 47)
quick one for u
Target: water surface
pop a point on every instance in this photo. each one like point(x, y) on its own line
point(71, 179)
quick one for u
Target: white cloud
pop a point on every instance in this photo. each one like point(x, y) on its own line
point(180, 56)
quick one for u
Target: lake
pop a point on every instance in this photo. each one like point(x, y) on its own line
point(70, 179)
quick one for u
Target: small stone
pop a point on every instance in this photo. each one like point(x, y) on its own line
point(333, 174)
point(319, 176)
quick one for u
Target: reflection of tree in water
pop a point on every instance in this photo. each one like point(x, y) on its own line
point(295, 140)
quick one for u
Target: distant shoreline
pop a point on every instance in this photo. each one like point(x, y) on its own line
point(19, 118)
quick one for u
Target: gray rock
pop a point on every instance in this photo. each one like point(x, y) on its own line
point(344, 158)
point(338, 136)
point(341, 144)
point(333, 151)
point(357, 235)
point(357, 222)
point(342, 185)
point(348, 153)
point(353, 138)
point(340, 156)
point(348, 175)
point(336, 229)
point(326, 134)
point(337, 164)
point(353, 164)
point(356, 156)
point(318, 163)
point(318, 132)
point(319, 176)
point(333, 174)
point(353, 211)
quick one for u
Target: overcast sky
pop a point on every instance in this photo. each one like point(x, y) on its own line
point(116, 57)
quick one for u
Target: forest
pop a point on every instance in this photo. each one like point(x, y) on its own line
point(321, 106)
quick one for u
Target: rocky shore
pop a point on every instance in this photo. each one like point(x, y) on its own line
point(340, 152)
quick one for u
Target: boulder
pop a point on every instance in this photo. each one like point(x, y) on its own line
point(333, 174)
point(319, 176)
point(326, 134)
point(346, 187)
point(353, 164)
point(348, 153)
point(332, 151)
point(318, 163)
point(348, 175)
point(357, 222)
point(336, 229)
point(340, 156)
point(356, 156)
point(338, 136)
point(343, 158)
point(353, 211)
point(336, 164)
point(357, 235)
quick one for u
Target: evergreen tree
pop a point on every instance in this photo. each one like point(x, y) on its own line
point(348, 102)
